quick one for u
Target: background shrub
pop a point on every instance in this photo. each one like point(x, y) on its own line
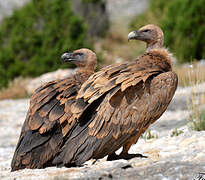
point(183, 24)
point(34, 37)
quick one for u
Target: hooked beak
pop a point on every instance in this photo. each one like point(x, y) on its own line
point(68, 57)
point(134, 35)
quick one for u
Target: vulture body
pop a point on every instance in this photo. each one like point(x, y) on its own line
point(49, 117)
point(119, 102)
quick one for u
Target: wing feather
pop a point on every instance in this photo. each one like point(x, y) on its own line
point(56, 112)
point(47, 108)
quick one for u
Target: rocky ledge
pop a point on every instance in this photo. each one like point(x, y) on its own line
point(175, 151)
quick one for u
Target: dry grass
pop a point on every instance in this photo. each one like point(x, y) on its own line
point(197, 108)
point(15, 90)
point(193, 75)
point(190, 75)
point(198, 120)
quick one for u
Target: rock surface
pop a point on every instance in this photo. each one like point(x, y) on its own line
point(94, 14)
point(169, 157)
point(125, 9)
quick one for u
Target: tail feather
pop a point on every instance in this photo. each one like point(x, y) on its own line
point(78, 149)
point(35, 150)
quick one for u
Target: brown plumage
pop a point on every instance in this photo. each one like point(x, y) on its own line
point(49, 117)
point(118, 103)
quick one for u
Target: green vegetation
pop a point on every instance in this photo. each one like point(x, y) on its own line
point(91, 1)
point(183, 23)
point(149, 135)
point(34, 37)
point(176, 132)
point(198, 120)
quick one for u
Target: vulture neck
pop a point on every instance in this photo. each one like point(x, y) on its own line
point(84, 71)
point(154, 45)
point(162, 58)
point(83, 74)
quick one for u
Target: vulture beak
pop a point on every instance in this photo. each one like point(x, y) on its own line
point(68, 57)
point(138, 35)
point(134, 35)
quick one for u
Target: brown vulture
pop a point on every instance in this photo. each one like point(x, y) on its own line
point(118, 103)
point(49, 117)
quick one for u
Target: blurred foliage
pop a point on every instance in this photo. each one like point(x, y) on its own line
point(95, 15)
point(183, 24)
point(34, 37)
point(91, 1)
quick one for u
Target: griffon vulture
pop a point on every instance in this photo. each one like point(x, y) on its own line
point(49, 117)
point(118, 103)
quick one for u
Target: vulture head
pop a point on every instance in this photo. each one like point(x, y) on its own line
point(151, 34)
point(82, 58)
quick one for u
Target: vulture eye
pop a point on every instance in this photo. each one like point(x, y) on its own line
point(79, 54)
point(146, 30)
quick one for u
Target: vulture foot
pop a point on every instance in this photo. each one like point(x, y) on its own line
point(112, 157)
point(126, 156)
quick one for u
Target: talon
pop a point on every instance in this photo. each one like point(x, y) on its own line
point(130, 156)
point(127, 156)
point(112, 157)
